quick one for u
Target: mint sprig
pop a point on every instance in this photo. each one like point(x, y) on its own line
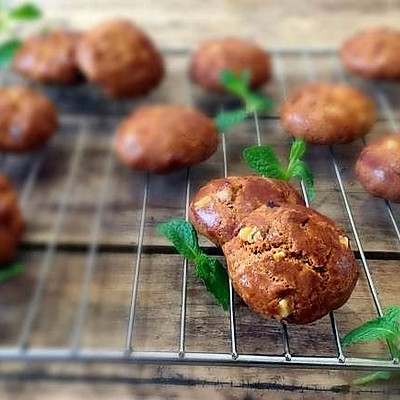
point(239, 85)
point(264, 161)
point(10, 18)
point(209, 270)
point(386, 327)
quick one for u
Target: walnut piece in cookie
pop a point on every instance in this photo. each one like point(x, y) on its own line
point(378, 168)
point(373, 54)
point(28, 119)
point(49, 58)
point(217, 209)
point(164, 138)
point(291, 263)
point(327, 113)
point(11, 222)
point(236, 55)
point(121, 58)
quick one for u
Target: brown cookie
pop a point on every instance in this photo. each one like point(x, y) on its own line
point(11, 222)
point(237, 55)
point(291, 263)
point(327, 113)
point(164, 138)
point(49, 58)
point(373, 54)
point(218, 208)
point(27, 119)
point(378, 168)
point(121, 58)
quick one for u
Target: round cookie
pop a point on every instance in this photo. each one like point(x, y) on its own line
point(27, 119)
point(378, 168)
point(164, 138)
point(121, 58)
point(11, 222)
point(237, 55)
point(327, 113)
point(291, 263)
point(373, 54)
point(49, 58)
point(218, 208)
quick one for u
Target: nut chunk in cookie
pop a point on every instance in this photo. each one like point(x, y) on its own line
point(373, 54)
point(11, 222)
point(164, 138)
point(378, 168)
point(27, 119)
point(327, 113)
point(49, 58)
point(121, 58)
point(291, 263)
point(218, 208)
point(236, 55)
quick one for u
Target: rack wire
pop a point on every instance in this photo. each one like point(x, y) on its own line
point(74, 351)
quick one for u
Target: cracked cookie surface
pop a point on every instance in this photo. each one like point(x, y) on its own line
point(291, 263)
point(218, 208)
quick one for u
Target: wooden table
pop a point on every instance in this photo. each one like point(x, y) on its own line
point(79, 167)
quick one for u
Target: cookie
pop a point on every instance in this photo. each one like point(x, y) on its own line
point(11, 222)
point(27, 119)
point(373, 54)
point(121, 58)
point(328, 113)
point(164, 138)
point(218, 208)
point(291, 263)
point(49, 58)
point(237, 55)
point(378, 168)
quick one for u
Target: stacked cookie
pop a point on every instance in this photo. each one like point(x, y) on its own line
point(285, 260)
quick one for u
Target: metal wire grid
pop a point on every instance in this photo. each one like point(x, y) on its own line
point(74, 352)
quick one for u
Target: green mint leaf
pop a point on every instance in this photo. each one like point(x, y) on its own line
point(26, 11)
point(375, 329)
point(7, 51)
point(183, 237)
point(11, 271)
point(297, 150)
point(235, 83)
point(263, 160)
point(256, 102)
point(225, 120)
point(372, 377)
point(215, 278)
point(304, 172)
point(392, 314)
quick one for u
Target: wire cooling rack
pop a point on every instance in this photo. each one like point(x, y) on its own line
point(92, 222)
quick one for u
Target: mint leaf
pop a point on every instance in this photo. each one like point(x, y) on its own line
point(297, 151)
point(234, 83)
point(226, 119)
point(375, 329)
point(11, 271)
point(26, 11)
point(256, 102)
point(263, 160)
point(7, 51)
point(372, 377)
point(215, 278)
point(304, 172)
point(183, 237)
point(392, 314)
